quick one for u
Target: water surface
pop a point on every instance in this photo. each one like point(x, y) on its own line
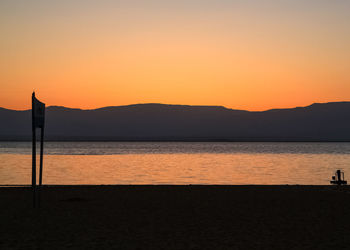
point(176, 162)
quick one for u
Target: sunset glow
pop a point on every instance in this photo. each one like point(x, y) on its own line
point(252, 55)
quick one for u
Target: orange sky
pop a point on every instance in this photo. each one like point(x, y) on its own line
point(252, 55)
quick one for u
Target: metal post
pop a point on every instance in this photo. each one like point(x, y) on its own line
point(34, 159)
point(33, 150)
point(41, 156)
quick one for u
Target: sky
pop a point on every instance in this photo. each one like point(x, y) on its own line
point(252, 54)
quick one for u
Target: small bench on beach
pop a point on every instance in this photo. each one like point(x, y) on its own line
point(338, 178)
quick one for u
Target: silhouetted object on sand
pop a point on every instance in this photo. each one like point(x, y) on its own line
point(338, 178)
point(38, 121)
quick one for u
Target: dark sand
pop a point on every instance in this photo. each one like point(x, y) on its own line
point(176, 217)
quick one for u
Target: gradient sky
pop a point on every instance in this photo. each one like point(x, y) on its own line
point(251, 54)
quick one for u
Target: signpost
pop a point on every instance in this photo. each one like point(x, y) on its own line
point(38, 121)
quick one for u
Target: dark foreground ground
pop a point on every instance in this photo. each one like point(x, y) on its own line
point(176, 217)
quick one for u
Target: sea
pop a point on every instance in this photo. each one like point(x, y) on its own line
point(176, 163)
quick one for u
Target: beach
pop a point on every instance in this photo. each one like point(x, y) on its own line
point(176, 217)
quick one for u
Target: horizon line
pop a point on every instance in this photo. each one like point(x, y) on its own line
point(166, 104)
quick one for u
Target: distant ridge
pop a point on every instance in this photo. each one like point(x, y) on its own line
point(163, 122)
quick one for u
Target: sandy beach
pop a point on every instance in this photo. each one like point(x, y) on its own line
point(176, 217)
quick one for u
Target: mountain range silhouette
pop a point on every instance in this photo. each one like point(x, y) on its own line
point(161, 122)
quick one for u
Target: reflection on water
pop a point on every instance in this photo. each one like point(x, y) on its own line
point(199, 168)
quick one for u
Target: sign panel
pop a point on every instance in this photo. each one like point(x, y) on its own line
point(38, 112)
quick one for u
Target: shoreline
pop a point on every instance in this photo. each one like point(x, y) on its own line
point(55, 186)
point(239, 140)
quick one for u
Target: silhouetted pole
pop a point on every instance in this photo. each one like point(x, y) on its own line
point(38, 121)
point(41, 156)
point(33, 148)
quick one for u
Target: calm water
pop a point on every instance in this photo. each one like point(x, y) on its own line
point(176, 162)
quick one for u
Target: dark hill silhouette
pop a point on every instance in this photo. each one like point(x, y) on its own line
point(317, 122)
